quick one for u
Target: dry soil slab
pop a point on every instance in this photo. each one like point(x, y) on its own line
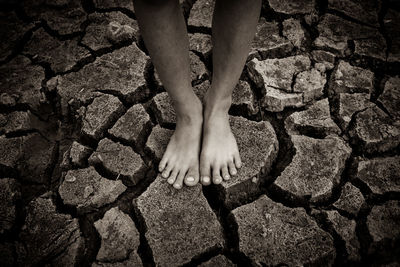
point(272, 234)
point(316, 167)
point(180, 224)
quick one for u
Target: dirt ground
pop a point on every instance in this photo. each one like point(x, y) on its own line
point(84, 121)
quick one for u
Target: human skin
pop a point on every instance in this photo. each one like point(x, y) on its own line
point(202, 146)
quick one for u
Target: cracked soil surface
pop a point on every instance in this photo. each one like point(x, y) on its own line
point(84, 121)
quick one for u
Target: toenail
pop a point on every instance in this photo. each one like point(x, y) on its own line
point(164, 175)
point(170, 181)
point(206, 179)
point(190, 179)
point(227, 177)
point(177, 186)
point(234, 172)
point(218, 180)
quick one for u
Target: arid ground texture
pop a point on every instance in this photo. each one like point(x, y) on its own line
point(84, 121)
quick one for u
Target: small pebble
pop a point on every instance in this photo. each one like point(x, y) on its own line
point(70, 179)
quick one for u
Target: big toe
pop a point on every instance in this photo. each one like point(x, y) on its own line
point(192, 177)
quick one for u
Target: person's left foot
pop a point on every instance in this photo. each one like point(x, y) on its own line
point(219, 158)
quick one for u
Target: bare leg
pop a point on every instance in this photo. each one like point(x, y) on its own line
point(164, 32)
point(234, 25)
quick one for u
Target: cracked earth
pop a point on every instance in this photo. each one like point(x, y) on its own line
point(84, 121)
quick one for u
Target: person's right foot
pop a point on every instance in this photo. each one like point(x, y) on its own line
point(180, 162)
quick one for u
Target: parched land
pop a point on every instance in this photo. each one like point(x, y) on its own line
point(84, 121)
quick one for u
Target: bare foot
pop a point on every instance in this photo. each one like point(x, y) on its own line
point(180, 162)
point(219, 158)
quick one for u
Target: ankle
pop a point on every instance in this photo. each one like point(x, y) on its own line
point(216, 105)
point(190, 111)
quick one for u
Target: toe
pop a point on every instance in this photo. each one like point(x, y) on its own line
point(192, 177)
point(162, 165)
point(225, 173)
point(172, 176)
point(238, 161)
point(167, 171)
point(179, 180)
point(205, 173)
point(232, 168)
point(217, 179)
point(205, 180)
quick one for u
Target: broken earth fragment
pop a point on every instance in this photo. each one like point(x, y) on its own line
point(336, 32)
point(271, 234)
point(62, 56)
point(100, 114)
point(36, 158)
point(351, 199)
point(375, 131)
point(383, 224)
point(200, 42)
point(17, 121)
point(292, 7)
point(119, 160)
point(132, 126)
point(390, 97)
point(294, 32)
point(119, 239)
point(65, 20)
point(201, 13)
point(47, 234)
point(347, 230)
point(198, 230)
point(19, 77)
point(79, 153)
point(277, 73)
point(31, 155)
point(349, 79)
point(120, 72)
point(275, 78)
point(324, 57)
point(311, 83)
point(158, 141)
point(243, 96)
point(316, 167)
point(163, 109)
point(316, 119)
point(87, 190)
point(10, 152)
point(276, 100)
point(381, 175)
point(349, 104)
point(106, 29)
point(365, 11)
point(267, 41)
point(219, 260)
point(374, 47)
